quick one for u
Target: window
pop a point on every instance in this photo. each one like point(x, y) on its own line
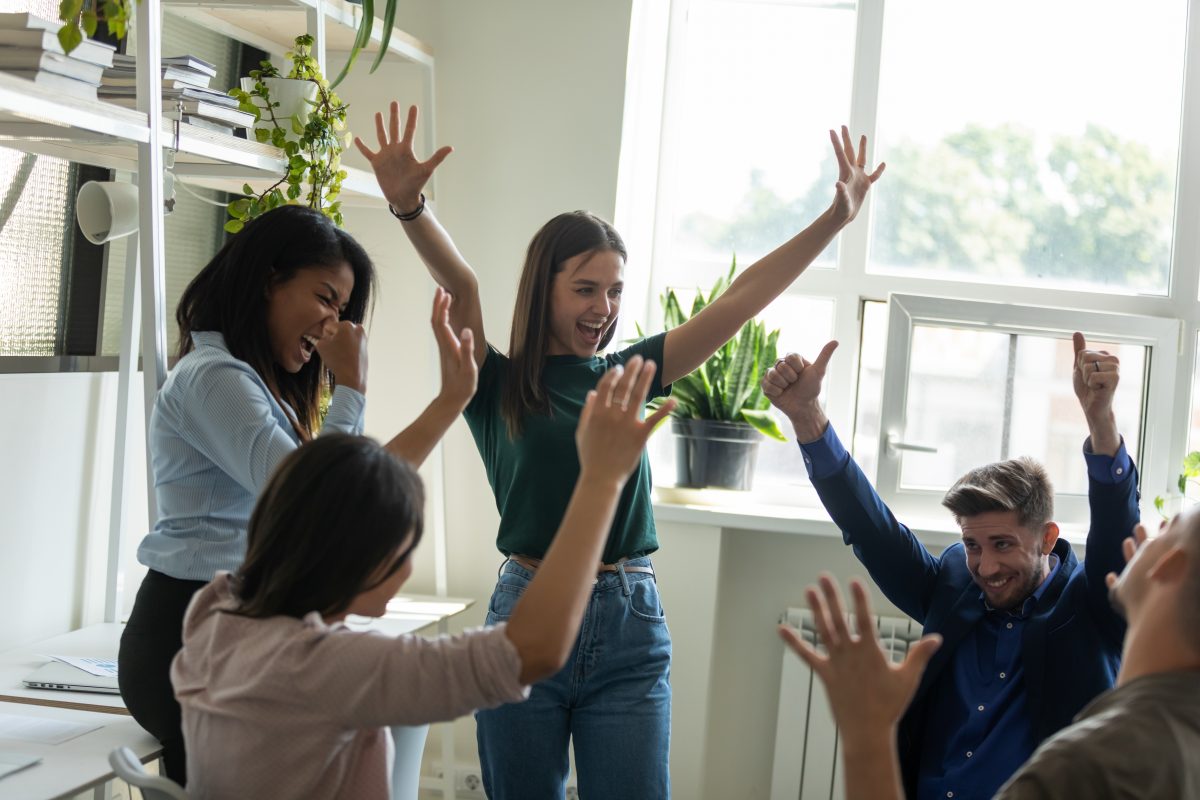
point(1056, 180)
point(60, 295)
point(1055, 167)
point(969, 383)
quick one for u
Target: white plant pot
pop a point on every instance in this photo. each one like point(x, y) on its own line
point(294, 98)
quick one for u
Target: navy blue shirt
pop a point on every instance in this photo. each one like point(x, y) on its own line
point(979, 729)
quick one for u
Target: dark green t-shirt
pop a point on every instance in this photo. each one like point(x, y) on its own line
point(533, 477)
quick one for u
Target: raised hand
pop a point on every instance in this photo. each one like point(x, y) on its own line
point(868, 693)
point(343, 351)
point(611, 435)
point(456, 353)
point(400, 174)
point(853, 181)
point(1095, 376)
point(793, 385)
point(1129, 549)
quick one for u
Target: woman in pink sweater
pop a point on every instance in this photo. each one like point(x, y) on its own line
point(281, 700)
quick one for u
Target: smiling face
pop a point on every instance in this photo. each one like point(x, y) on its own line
point(1007, 560)
point(585, 297)
point(304, 308)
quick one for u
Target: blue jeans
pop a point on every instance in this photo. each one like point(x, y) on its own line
point(612, 699)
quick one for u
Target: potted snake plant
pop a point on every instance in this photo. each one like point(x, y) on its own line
point(721, 413)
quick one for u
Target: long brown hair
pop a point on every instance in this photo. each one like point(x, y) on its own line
point(229, 296)
point(562, 238)
point(334, 511)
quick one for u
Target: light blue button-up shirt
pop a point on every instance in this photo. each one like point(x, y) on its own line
point(216, 435)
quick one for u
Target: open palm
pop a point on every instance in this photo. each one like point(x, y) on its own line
point(853, 180)
point(401, 175)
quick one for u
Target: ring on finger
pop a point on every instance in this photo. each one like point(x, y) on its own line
point(1096, 364)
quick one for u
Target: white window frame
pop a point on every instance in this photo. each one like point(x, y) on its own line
point(1160, 336)
point(645, 207)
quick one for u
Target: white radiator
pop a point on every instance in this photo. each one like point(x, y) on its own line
point(806, 764)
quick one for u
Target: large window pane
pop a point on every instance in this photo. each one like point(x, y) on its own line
point(750, 159)
point(983, 396)
point(1044, 152)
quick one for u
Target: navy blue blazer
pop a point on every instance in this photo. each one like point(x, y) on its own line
point(1071, 645)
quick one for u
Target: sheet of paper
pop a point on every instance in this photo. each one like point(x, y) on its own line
point(100, 667)
point(15, 762)
point(41, 731)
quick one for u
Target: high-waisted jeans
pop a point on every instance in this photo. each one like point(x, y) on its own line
point(612, 700)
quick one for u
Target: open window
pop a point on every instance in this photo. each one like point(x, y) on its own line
point(967, 383)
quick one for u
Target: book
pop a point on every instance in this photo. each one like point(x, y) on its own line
point(214, 113)
point(58, 83)
point(22, 20)
point(40, 60)
point(207, 124)
point(121, 94)
point(167, 82)
point(189, 62)
point(88, 50)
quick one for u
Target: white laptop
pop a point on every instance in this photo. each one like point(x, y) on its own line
point(57, 675)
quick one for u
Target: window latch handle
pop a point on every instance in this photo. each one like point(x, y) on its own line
point(894, 443)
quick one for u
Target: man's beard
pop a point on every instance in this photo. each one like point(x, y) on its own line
point(1031, 584)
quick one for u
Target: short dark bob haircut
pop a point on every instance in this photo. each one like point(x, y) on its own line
point(335, 511)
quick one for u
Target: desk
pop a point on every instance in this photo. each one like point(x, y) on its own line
point(100, 641)
point(74, 766)
point(407, 613)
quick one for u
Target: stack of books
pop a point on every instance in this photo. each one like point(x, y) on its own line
point(29, 49)
point(185, 92)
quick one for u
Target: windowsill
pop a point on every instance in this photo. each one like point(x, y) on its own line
point(728, 510)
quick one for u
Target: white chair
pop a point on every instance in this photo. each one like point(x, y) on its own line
point(406, 772)
point(153, 787)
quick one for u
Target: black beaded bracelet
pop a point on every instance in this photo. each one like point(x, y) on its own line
point(411, 215)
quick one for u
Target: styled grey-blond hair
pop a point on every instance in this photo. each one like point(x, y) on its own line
point(1019, 484)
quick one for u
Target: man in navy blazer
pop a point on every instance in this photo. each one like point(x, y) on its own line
point(1029, 635)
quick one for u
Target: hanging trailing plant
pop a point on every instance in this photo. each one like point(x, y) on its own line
point(81, 17)
point(313, 147)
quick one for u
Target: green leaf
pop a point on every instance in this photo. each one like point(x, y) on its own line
point(262, 135)
point(247, 189)
point(389, 21)
point(1183, 483)
point(764, 422)
point(278, 137)
point(70, 36)
point(360, 41)
point(238, 208)
point(742, 373)
point(89, 20)
point(1191, 464)
point(297, 128)
point(672, 312)
point(234, 225)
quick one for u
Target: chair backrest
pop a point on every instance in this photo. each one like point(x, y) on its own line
point(153, 787)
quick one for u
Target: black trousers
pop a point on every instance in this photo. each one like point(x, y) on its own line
point(150, 640)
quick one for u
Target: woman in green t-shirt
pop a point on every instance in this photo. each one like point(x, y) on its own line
point(613, 696)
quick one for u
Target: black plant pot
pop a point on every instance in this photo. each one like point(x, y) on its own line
point(715, 454)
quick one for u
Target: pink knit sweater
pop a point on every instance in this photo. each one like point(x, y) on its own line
point(290, 708)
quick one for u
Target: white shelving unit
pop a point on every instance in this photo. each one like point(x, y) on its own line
point(35, 120)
